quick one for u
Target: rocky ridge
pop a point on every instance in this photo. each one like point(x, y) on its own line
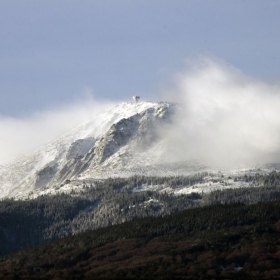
point(125, 137)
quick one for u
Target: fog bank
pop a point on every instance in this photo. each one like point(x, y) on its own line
point(22, 135)
point(226, 118)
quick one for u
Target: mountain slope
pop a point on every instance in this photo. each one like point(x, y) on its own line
point(231, 241)
point(123, 137)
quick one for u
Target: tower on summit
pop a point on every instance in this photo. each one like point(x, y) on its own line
point(136, 98)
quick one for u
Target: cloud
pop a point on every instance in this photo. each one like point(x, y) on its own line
point(22, 135)
point(227, 119)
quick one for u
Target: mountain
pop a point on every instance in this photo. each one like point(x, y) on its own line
point(119, 141)
point(126, 140)
point(91, 172)
point(90, 168)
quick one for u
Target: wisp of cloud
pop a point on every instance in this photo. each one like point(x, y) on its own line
point(226, 119)
point(22, 135)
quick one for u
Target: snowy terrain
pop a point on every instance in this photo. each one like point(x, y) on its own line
point(121, 142)
point(114, 142)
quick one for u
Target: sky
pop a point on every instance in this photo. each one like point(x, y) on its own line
point(52, 51)
point(63, 60)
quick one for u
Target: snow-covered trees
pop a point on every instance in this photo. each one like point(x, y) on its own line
point(112, 201)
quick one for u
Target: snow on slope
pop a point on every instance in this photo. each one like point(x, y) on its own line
point(107, 141)
point(119, 142)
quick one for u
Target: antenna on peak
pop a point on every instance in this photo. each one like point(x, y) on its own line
point(136, 98)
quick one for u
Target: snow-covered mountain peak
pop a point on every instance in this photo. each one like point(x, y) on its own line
point(112, 140)
point(100, 123)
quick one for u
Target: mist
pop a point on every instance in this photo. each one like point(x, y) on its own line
point(25, 134)
point(226, 119)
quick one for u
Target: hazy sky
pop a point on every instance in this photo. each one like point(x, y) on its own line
point(62, 61)
point(52, 51)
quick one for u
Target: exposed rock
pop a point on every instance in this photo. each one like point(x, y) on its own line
point(116, 138)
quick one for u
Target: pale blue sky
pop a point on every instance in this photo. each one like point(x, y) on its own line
point(51, 51)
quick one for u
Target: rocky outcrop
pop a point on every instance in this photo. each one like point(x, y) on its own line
point(112, 140)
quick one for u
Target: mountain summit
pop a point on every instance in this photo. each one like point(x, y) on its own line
point(117, 142)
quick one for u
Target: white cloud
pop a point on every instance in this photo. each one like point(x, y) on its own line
point(21, 135)
point(227, 119)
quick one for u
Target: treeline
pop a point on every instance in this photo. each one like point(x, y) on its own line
point(101, 203)
point(261, 188)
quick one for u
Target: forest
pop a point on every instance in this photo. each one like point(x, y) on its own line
point(101, 203)
point(222, 241)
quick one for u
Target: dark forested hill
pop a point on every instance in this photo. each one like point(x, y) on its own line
point(215, 242)
point(25, 224)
